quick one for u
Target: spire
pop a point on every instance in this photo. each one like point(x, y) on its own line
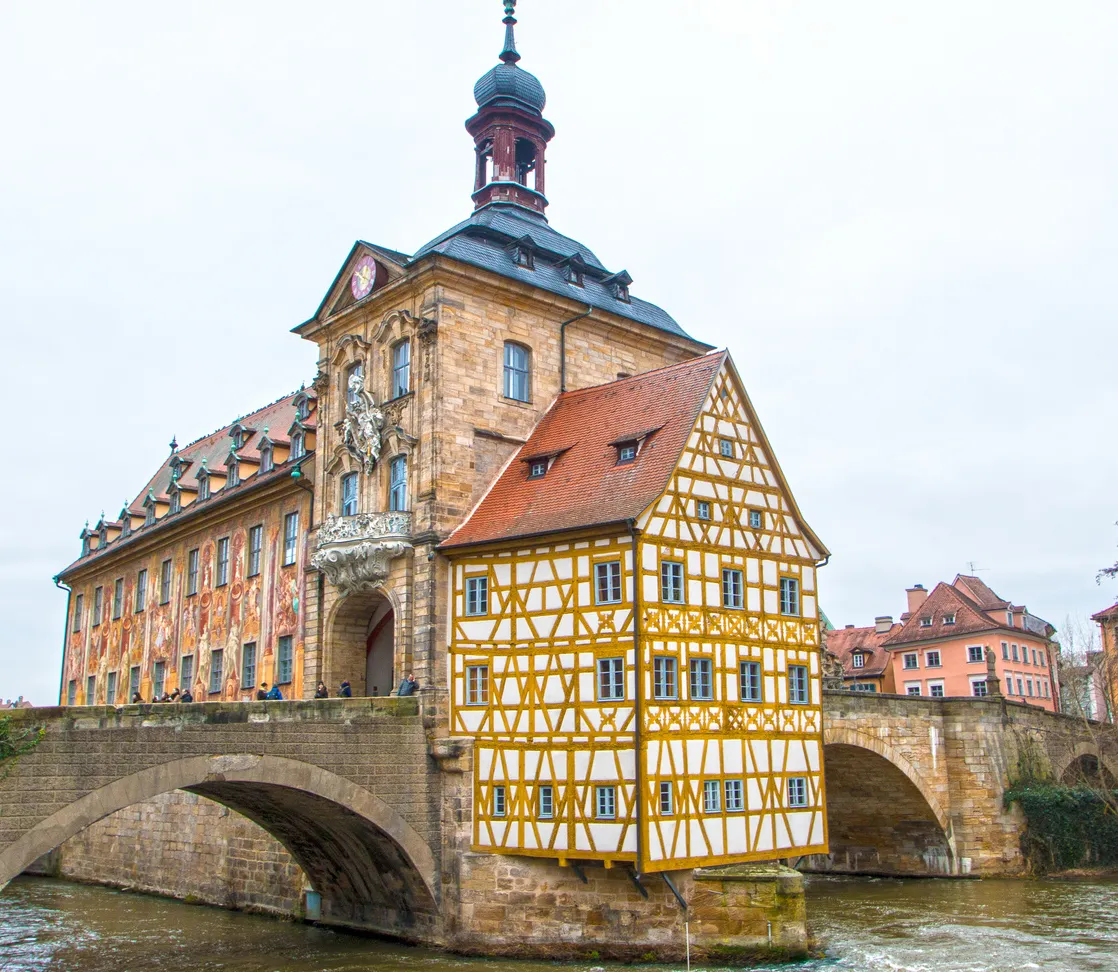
point(509, 55)
point(174, 444)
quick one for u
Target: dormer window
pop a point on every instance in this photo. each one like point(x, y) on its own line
point(125, 524)
point(626, 452)
point(149, 512)
point(949, 618)
point(176, 501)
point(925, 622)
point(233, 474)
point(298, 445)
point(537, 469)
point(524, 253)
point(858, 660)
point(267, 459)
point(203, 486)
point(85, 544)
point(302, 407)
point(573, 270)
point(618, 286)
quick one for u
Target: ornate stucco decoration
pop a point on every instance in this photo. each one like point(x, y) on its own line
point(355, 552)
point(362, 425)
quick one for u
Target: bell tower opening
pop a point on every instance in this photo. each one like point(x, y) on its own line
point(509, 130)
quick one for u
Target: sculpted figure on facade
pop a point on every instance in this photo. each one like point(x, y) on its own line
point(362, 425)
point(355, 552)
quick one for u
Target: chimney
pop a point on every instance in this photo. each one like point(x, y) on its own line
point(916, 597)
point(849, 626)
point(883, 623)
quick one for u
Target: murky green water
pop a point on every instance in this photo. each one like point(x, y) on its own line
point(865, 925)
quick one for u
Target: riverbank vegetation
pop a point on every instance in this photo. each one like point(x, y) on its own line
point(15, 741)
point(1066, 826)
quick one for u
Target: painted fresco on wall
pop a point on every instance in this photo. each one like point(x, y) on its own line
point(258, 609)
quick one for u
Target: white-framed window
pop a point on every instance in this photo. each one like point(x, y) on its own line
point(726, 448)
point(283, 660)
point(702, 509)
point(790, 597)
point(926, 621)
point(667, 800)
point(255, 546)
point(605, 802)
point(298, 445)
point(978, 687)
point(607, 582)
point(798, 685)
point(349, 494)
point(192, 572)
point(1029, 686)
point(1043, 658)
point(248, 665)
point(712, 796)
point(671, 582)
point(732, 588)
point(79, 604)
point(1009, 618)
point(517, 372)
point(290, 538)
point(398, 483)
point(735, 796)
point(949, 618)
point(626, 452)
point(1005, 651)
point(702, 679)
point(750, 676)
point(935, 689)
point(756, 519)
point(537, 469)
point(932, 659)
point(217, 657)
point(158, 677)
point(546, 796)
point(477, 595)
point(611, 679)
point(118, 597)
point(477, 685)
point(500, 806)
point(975, 654)
point(912, 688)
point(165, 582)
point(911, 660)
point(797, 791)
point(186, 670)
point(858, 660)
point(1013, 652)
point(98, 606)
point(1033, 652)
point(141, 591)
point(401, 368)
point(222, 562)
point(1020, 686)
point(665, 684)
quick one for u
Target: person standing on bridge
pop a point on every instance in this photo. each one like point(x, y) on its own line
point(321, 691)
point(408, 686)
point(274, 694)
point(262, 692)
point(345, 692)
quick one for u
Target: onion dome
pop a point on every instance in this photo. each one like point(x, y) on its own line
point(507, 83)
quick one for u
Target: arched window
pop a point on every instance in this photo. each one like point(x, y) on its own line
point(401, 368)
point(349, 494)
point(358, 369)
point(518, 384)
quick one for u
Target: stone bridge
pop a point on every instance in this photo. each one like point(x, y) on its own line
point(344, 784)
point(916, 785)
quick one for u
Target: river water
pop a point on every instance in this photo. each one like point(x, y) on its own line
point(863, 924)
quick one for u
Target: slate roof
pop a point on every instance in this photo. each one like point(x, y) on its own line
point(843, 642)
point(585, 485)
point(483, 240)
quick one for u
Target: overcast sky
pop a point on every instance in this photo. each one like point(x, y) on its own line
point(899, 217)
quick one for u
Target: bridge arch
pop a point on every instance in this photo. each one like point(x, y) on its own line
point(371, 867)
point(866, 777)
point(1084, 764)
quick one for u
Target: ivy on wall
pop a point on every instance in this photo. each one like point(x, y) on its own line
point(1066, 826)
point(14, 742)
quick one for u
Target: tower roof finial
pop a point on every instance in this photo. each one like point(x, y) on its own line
point(509, 55)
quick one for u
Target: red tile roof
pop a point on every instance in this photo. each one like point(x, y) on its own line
point(585, 486)
point(980, 593)
point(945, 599)
point(1106, 613)
point(843, 642)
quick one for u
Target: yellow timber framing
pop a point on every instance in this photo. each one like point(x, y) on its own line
point(544, 633)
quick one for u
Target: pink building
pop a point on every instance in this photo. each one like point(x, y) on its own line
point(939, 648)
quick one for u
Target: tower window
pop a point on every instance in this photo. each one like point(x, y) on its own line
point(401, 368)
point(398, 483)
point(349, 494)
point(525, 160)
point(517, 372)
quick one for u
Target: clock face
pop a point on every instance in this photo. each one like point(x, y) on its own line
point(364, 277)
